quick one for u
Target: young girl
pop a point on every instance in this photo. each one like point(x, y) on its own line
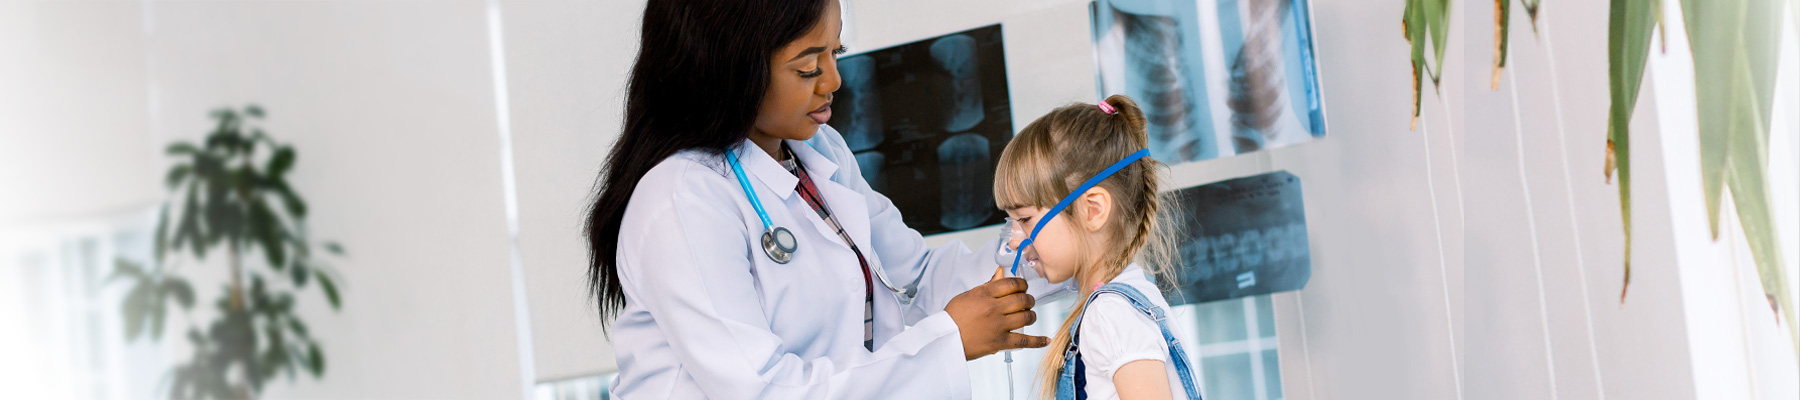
point(1116, 344)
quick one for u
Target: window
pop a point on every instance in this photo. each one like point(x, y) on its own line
point(1237, 355)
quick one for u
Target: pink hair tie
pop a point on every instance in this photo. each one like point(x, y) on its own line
point(1107, 108)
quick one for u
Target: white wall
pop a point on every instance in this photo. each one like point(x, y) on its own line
point(391, 106)
point(567, 63)
point(73, 114)
point(390, 103)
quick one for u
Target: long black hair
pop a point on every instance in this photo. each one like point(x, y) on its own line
point(702, 69)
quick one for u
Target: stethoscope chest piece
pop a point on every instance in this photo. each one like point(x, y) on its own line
point(779, 244)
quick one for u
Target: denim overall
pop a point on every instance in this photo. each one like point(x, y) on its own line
point(1072, 384)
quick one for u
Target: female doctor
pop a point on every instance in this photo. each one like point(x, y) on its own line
point(736, 252)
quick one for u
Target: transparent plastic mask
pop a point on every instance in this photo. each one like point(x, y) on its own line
point(1010, 232)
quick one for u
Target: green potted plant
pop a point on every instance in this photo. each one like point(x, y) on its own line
point(231, 198)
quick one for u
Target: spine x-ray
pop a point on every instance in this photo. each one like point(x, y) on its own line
point(1240, 237)
point(927, 120)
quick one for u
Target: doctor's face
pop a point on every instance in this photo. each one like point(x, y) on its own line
point(802, 76)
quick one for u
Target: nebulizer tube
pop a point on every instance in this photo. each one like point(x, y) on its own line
point(1007, 253)
point(1010, 256)
point(1009, 378)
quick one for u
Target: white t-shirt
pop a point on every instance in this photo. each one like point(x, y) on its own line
point(1114, 333)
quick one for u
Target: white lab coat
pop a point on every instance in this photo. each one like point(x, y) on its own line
point(709, 315)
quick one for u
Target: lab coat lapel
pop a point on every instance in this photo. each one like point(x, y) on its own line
point(785, 209)
point(791, 210)
point(850, 207)
point(757, 163)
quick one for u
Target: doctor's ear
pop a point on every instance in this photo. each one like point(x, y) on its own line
point(1095, 207)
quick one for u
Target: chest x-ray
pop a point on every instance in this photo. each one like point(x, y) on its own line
point(1215, 77)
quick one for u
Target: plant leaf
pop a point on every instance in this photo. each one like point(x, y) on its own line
point(334, 248)
point(1629, 27)
point(136, 311)
point(1531, 11)
point(221, 214)
point(1735, 44)
point(269, 233)
point(1412, 26)
point(259, 294)
point(181, 148)
point(123, 268)
point(176, 174)
point(1503, 35)
point(300, 273)
point(161, 237)
point(315, 360)
point(1748, 182)
point(189, 229)
point(331, 290)
point(180, 290)
point(1729, 38)
point(282, 161)
point(276, 358)
point(1502, 14)
point(297, 326)
point(1709, 36)
point(1425, 20)
point(1437, 22)
point(159, 311)
point(289, 199)
point(253, 110)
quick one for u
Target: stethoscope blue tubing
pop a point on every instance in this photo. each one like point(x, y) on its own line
point(1020, 252)
point(731, 158)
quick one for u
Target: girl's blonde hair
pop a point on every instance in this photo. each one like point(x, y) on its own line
point(1055, 154)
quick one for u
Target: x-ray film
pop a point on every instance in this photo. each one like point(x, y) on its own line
point(1241, 237)
point(927, 120)
point(1215, 77)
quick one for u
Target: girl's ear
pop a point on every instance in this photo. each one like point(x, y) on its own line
point(1096, 208)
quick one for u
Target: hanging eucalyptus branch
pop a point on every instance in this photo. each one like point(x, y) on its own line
point(232, 184)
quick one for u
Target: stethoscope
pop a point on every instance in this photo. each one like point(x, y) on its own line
point(779, 243)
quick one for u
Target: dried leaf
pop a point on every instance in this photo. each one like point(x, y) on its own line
point(1502, 14)
point(1502, 37)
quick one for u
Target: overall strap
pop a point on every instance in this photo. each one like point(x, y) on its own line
point(1177, 356)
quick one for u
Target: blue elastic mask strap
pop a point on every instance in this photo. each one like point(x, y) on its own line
point(731, 157)
point(1071, 199)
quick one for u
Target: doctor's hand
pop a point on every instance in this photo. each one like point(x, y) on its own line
point(986, 316)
